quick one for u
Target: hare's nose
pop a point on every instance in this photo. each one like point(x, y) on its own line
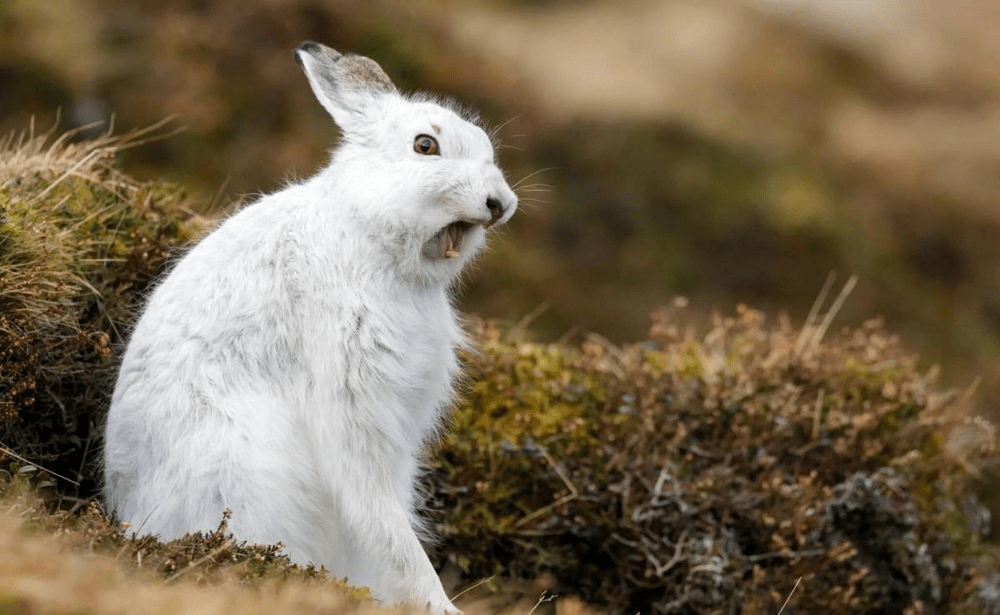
point(496, 209)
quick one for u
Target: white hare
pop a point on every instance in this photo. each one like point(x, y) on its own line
point(293, 364)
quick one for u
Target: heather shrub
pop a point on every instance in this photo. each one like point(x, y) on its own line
point(708, 470)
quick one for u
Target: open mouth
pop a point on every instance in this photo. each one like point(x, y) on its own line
point(447, 243)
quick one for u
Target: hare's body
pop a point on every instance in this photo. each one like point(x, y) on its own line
point(292, 365)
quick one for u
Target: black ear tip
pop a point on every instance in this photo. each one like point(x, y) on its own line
point(309, 47)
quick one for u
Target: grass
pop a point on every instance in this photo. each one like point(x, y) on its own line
point(59, 563)
point(79, 244)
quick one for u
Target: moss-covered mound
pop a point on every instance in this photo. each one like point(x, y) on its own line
point(208, 557)
point(79, 244)
point(707, 472)
point(77, 562)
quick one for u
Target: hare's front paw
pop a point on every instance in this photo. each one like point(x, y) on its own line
point(440, 604)
point(444, 609)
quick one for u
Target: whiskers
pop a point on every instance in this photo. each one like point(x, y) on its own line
point(493, 132)
point(530, 194)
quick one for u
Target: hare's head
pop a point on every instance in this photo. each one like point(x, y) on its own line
point(421, 172)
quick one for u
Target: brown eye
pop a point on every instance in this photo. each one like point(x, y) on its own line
point(426, 144)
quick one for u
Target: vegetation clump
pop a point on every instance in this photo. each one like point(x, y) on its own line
point(80, 243)
point(206, 557)
point(77, 562)
point(696, 473)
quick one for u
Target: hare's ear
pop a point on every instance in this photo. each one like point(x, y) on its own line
point(347, 85)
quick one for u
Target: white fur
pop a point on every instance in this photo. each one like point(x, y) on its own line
point(295, 362)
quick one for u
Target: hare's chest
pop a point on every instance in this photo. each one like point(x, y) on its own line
point(397, 364)
point(428, 364)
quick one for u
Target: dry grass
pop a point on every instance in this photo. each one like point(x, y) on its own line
point(55, 571)
point(32, 166)
point(79, 243)
point(29, 153)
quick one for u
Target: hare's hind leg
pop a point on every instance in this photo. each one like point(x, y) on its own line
point(163, 495)
point(265, 474)
point(161, 469)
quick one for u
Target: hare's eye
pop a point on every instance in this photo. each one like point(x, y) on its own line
point(426, 144)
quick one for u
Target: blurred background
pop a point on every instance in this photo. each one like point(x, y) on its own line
point(725, 150)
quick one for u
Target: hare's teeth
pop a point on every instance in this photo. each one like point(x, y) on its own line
point(445, 242)
point(452, 239)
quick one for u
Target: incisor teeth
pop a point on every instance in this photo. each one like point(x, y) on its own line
point(451, 241)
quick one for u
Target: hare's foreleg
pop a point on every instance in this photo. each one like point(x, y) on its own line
point(376, 518)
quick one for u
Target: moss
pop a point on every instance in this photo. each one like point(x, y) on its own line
point(697, 473)
point(79, 244)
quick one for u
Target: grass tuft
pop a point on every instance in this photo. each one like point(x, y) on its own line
point(80, 242)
